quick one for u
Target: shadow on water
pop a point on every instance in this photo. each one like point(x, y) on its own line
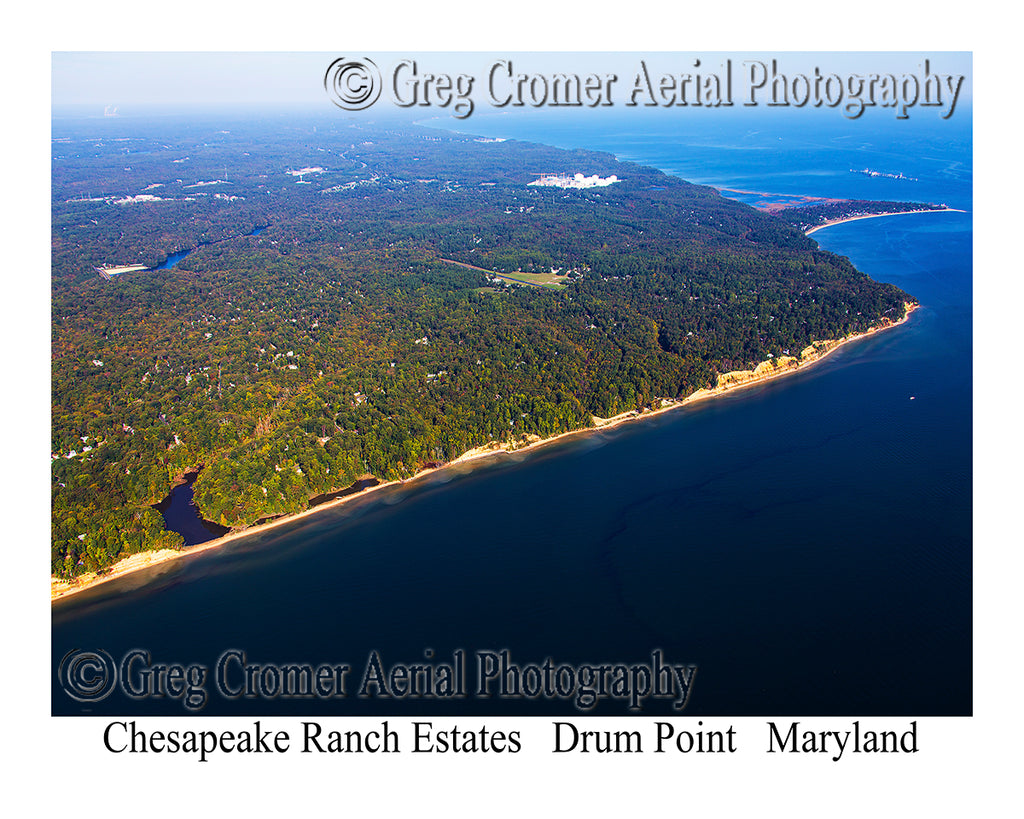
point(182, 516)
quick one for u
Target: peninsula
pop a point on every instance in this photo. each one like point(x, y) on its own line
point(818, 215)
point(371, 318)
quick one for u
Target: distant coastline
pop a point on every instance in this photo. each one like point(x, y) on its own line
point(877, 216)
point(727, 383)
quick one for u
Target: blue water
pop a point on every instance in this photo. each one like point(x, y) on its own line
point(791, 152)
point(806, 543)
point(174, 258)
point(182, 516)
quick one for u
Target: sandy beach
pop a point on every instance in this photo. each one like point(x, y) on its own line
point(878, 216)
point(727, 383)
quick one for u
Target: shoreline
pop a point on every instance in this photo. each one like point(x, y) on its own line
point(736, 380)
point(878, 216)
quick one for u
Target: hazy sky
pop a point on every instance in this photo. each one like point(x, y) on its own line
point(273, 78)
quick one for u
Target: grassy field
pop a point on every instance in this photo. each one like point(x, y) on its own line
point(547, 279)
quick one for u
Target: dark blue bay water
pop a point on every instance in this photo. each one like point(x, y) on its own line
point(806, 543)
point(182, 516)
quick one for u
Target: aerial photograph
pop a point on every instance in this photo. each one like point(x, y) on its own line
point(512, 385)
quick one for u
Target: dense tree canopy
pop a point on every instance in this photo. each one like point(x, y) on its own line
point(316, 334)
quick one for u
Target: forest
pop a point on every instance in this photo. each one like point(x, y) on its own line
point(315, 335)
point(805, 217)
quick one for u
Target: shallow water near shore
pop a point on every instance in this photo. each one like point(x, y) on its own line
point(806, 542)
